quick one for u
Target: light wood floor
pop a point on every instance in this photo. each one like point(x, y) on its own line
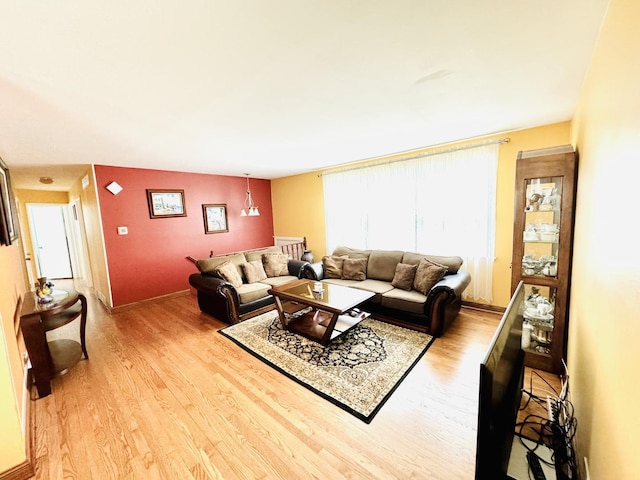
point(164, 396)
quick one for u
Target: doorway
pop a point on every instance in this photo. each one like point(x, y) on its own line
point(49, 227)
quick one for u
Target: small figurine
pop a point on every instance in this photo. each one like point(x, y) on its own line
point(43, 290)
point(533, 203)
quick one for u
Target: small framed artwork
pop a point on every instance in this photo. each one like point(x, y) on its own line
point(8, 218)
point(215, 218)
point(166, 203)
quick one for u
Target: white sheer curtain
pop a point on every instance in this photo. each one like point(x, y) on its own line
point(442, 204)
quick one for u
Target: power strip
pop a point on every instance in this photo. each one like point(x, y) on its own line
point(552, 409)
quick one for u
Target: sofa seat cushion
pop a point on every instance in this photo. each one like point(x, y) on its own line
point(406, 301)
point(281, 280)
point(249, 292)
point(378, 287)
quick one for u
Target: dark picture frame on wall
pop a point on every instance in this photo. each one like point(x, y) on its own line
point(8, 218)
point(166, 203)
point(215, 218)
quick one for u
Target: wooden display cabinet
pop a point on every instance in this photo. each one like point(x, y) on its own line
point(545, 192)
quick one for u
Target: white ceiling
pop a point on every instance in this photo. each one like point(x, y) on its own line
point(278, 87)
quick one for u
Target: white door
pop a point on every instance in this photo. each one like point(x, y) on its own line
point(49, 236)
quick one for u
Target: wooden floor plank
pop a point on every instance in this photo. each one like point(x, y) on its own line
point(164, 395)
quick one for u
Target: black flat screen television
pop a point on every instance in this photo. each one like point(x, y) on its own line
point(501, 379)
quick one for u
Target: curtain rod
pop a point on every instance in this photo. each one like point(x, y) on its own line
point(411, 154)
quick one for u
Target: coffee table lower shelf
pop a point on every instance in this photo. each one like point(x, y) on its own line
point(322, 314)
point(314, 323)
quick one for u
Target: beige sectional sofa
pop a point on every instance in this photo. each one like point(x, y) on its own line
point(415, 290)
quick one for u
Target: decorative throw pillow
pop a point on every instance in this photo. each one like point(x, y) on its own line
point(332, 266)
point(354, 269)
point(254, 271)
point(404, 276)
point(427, 275)
point(228, 272)
point(275, 264)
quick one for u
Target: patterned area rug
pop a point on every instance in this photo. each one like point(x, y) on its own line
point(357, 371)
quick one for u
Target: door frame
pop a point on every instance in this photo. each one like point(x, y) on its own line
point(34, 247)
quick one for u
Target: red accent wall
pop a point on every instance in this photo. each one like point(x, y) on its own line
point(150, 260)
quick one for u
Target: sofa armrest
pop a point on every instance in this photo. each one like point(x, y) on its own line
point(296, 267)
point(313, 271)
point(214, 286)
point(206, 283)
point(456, 283)
point(217, 297)
point(444, 301)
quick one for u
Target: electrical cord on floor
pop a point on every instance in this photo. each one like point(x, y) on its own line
point(532, 396)
point(557, 432)
point(543, 435)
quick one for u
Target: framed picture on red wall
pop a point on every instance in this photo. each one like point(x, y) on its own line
point(215, 218)
point(166, 203)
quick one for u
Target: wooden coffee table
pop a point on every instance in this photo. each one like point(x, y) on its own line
point(321, 319)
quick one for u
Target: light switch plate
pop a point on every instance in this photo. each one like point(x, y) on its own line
point(123, 230)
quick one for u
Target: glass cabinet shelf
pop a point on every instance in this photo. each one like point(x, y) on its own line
point(538, 316)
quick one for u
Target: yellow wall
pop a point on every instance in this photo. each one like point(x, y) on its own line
point(604, 323)
point(93, 246)
point(299, 211)
point(94, 237)
point(12, 287)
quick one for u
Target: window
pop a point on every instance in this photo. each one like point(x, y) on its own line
point(440, 204)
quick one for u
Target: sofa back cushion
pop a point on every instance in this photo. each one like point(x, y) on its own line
point(382, 264)
point(275, 264)
point(256, 255)
point(210, 265)
point(452, 263)
point(351, 252)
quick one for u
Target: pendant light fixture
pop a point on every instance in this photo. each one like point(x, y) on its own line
point(249, 210)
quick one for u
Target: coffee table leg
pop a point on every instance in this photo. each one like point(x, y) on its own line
point(326, 338)
point(283, 319)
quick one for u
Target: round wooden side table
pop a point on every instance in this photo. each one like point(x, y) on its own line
point(57, 356)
